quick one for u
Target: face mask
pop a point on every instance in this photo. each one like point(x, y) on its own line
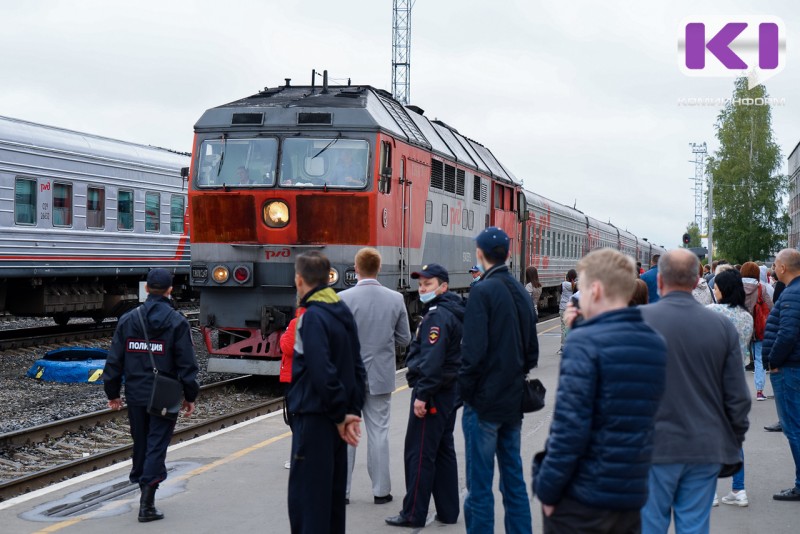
point(427, 297)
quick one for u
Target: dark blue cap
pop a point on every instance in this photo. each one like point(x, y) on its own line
point(490, 239)
point(432, 270)
point(159, 279)
point(474, 269)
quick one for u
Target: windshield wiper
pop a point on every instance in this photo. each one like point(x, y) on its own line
point(327, 146)
point(222, 156)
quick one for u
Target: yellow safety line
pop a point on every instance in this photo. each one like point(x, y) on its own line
point(200, 470)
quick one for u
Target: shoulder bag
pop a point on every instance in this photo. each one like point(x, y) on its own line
point(165, 399)
point(533, 391)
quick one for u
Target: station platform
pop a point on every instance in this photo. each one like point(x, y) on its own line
point(235, 481)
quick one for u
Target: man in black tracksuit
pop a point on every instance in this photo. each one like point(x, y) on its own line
point(433, 362)
point(324, 401)
point(171, 344)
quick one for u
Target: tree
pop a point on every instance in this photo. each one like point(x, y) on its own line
point(750, 219)
point(694, 235)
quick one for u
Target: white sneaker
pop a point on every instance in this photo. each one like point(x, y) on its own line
point(738, 499)
point(716, 500)
point(288, 464)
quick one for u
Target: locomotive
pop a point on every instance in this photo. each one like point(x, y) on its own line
point(336, 168)
point(83, 219)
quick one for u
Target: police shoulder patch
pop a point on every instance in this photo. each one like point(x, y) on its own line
point(433, 335)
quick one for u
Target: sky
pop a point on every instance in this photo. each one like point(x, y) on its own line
point(580, 100)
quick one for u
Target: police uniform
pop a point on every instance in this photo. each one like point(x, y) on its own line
point(171, 344)
point(430, 459)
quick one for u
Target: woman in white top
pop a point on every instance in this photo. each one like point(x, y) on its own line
point(534, 287)
point(568, 288)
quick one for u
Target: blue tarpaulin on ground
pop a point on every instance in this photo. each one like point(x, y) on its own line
point(74, 364)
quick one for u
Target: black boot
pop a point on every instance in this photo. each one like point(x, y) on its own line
point(147, 509)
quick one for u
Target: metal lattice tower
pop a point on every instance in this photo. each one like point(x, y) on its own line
point(700, 152)
point(401, 51)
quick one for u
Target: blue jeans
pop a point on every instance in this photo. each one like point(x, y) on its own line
point(786, 386)
point(758, 363)
point(483, 440)
point(686, 489)
point(738, 476)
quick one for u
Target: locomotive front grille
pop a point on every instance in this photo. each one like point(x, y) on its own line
point(333, 220)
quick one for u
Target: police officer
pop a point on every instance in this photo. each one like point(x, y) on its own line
point(433, 362)
point(171, 345)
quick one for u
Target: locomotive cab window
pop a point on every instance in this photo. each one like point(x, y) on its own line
point(152, 212)
point(124, 210)
point(62, 204)
point(176, 212)
point(237, 163)
point(331, 163)
point(95, 208)
point(385, 182)
point(25, 201)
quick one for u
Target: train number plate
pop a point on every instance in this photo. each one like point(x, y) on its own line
point(199, 272)
point(350, 277)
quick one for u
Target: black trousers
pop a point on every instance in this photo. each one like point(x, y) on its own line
point(430, 461)
point(151, 436)
point(318, 476)
point(572, 517)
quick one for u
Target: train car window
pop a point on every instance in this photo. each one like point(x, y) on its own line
point(237, 163)
point(385, 182)
point(124, 210)
point(152, 212)
point(176, 212)
point(25, 201)
point(336, 163)
point(445, 211)
point(437, 174)
point(95, 207)
point(428, 211)
point(62, 204)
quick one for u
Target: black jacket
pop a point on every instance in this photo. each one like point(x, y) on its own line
point(499, 346)
point(435, 353)
point(781, 343)
point(328, 376)
point(171, 343)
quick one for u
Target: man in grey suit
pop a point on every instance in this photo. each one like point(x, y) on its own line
point(382, 321)
point(701, 422)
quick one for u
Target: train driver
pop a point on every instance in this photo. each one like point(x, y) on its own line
point(348, 171)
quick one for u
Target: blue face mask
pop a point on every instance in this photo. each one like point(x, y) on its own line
point(427, 297)
point(481, 268)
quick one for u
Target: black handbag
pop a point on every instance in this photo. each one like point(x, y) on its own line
point(167, 394)
point(533, 395)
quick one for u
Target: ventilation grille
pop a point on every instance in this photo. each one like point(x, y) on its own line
point(247, 118)
point(460, 177)
point(449, 179)
point(314, 118)
point(437, 174)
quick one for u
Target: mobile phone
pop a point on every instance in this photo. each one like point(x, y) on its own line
point(575, 302)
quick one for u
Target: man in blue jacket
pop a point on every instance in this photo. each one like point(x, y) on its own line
point(499, 347)
point(171, 344)
point(324, 401)
point(782, 349)
point(433, 362)
point(594, 475)
point(650, 278)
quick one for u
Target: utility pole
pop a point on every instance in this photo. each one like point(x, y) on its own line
point(401, 51)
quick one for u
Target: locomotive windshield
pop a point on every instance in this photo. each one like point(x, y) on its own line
point(238, 162)
point(339, 163)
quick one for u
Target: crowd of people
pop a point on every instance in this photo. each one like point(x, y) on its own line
point(646, 418)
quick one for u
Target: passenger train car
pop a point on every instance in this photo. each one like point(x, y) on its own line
point(299, 168)
point(83, 218)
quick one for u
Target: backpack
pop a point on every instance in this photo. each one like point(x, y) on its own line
point(760, 314)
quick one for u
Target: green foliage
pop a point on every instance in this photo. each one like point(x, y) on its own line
point(750, 220)
point(694, 235)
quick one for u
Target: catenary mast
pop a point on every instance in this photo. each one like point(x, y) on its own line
point(401, 50)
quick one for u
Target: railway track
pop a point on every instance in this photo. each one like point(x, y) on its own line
point(46, 335)
point(36, 457)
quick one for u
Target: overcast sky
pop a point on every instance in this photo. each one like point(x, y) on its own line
point(578, 99)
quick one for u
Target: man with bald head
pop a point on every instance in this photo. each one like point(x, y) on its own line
point(782, 351)
point(701, 422)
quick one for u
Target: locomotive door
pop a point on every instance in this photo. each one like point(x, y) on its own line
point(405, 227)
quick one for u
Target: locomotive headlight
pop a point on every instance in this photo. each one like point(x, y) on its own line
point(220, 274)
point(333, 276)
point(276, 214)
